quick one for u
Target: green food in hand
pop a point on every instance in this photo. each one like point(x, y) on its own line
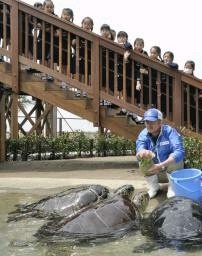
point(145, 164)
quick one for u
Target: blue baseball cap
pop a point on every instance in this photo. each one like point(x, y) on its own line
point(153, 114)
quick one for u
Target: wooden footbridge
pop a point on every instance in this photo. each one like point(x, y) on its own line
point(24, 65)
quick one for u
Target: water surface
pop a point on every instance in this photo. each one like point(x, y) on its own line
point(17, 238)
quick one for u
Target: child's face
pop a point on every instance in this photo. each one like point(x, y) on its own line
point(167, 59)
point(188, 69)
point(106, 33)
point(66, 16)
point(38, 5)
point(138, 46)
point(49, 8)
point(121, 39)
point(87, 25)
point(153, 54)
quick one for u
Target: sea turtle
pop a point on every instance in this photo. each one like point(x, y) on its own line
point(66, 203)
point(112, 217)
point(176, 222)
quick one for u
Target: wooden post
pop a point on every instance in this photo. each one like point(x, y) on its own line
point(101, 130)
point(2, 129)
point(60, 126)
point(95, 80)
point(158, 84)
point(177, 103)
point(37, 115)
point(53, 115)
point(14, 46)
point(14, 116)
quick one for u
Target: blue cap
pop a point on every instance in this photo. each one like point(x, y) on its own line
point(153, 114)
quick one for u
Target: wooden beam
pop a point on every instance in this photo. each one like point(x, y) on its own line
point(27, 116)
point(2, 129)
point(14, 116)
point(54, 121)
point(95, 71)
point(39, 109)
point(5, 78)
point(45, 113)
point(177, 100)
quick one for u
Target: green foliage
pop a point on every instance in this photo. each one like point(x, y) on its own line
point(79, 144)
point(145, 164)
point(39, 144)
point(24, 146)
point(101, 145)
point(119, 145)
point(109, 144)
point(67, 145)
point(25, 100)
point(13, 147)
point(193, 148)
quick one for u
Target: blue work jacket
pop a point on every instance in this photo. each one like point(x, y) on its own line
point(169, 142)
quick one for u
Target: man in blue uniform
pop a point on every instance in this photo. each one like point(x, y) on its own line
point(165, 144)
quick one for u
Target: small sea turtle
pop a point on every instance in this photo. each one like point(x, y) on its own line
point(67, 203)
point(176, 222)
point(112, 217)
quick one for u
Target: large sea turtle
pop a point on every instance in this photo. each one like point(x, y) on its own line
point(67, 203)
point(176, 222)
point(112, 217)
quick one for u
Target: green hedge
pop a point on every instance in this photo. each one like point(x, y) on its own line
point(80, 144)
point(68, 145)
point(193, 147)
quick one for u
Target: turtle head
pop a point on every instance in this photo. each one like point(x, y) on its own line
point(125, 191)
point(141, 200)
point(100, 190)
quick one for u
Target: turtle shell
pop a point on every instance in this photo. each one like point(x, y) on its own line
point(110, 218)
point(177, 219)
point(67, 203)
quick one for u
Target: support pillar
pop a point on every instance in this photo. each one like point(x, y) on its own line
point(38, 114)
point(2, 129)
point(14, 116)
point(54, 121)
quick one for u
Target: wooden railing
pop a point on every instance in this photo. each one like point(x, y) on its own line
point(96, 66)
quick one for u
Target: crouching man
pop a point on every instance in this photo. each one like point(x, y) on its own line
point(164, 146)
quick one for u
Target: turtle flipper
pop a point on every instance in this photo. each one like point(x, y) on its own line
point(148, 247)
point(19, 216)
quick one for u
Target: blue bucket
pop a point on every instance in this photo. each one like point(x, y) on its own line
point(187, 183)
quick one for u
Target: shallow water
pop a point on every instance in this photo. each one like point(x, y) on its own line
point(16, 239)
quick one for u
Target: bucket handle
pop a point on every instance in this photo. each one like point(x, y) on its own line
point(185, 187)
